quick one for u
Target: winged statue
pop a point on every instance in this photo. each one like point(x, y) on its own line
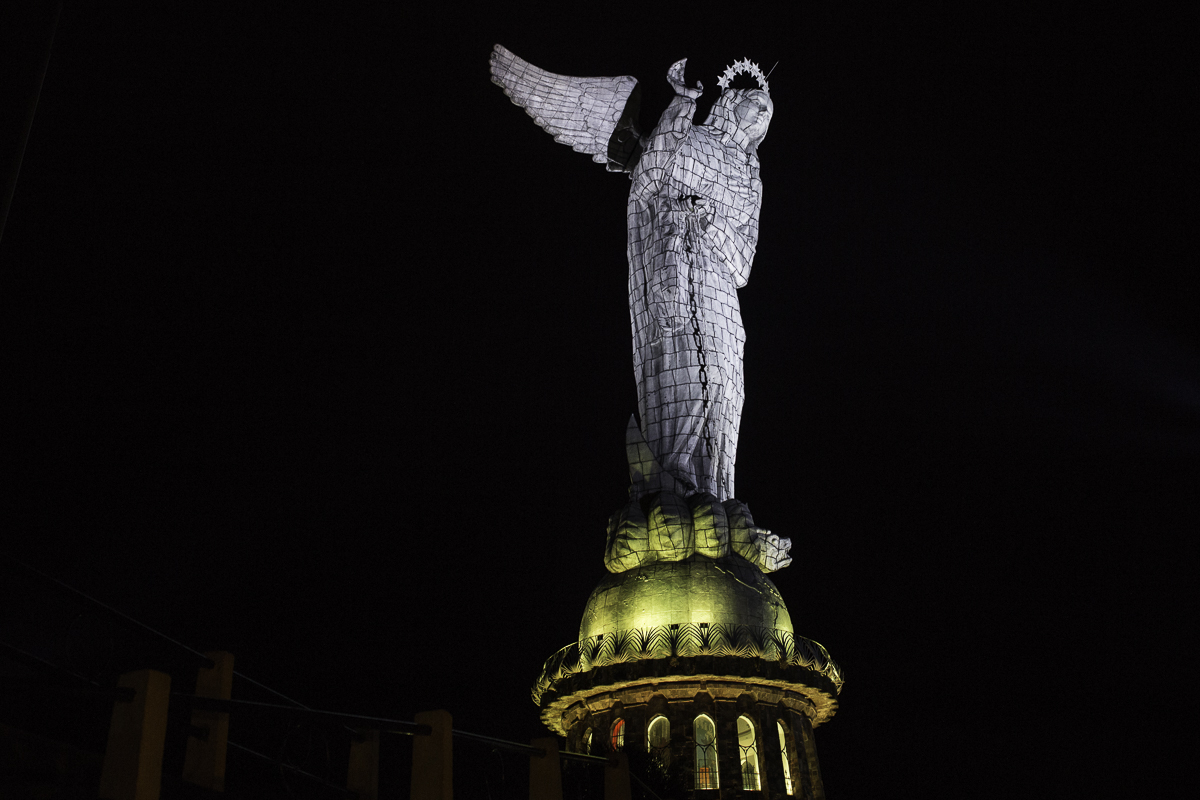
point(692, 232)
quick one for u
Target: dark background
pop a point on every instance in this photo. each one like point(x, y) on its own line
point(317, 351)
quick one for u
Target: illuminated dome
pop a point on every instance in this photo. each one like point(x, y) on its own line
point(675, 626)
point(727, 591)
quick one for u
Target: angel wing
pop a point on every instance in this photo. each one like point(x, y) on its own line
point(597, 116)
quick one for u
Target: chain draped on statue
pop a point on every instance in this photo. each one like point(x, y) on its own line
point(693, 226)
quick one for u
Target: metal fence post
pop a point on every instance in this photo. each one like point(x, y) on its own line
point(362, 774)
point(133, 759)
point(433, 758)
point(545, 772)
point(204, 761)
point(616, 778)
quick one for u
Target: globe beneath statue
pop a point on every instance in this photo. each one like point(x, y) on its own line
point(698, 590)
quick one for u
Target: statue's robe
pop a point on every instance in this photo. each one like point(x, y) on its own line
point(686, 262)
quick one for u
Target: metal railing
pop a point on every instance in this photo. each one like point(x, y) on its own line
point(134, 752)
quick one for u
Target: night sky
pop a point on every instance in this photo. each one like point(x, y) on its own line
point(316, 350)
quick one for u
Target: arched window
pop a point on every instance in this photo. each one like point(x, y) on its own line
point(586, 741)
point(617, 737)
point(749, 755)
point(658, 735)
point(787, 759)
point(706, 753)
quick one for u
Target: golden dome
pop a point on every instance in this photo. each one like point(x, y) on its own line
point(698, 590)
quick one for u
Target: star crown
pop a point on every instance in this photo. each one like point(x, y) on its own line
point(743, 67)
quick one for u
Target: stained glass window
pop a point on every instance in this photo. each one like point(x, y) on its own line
point(658, 735)
point(787, 760)
point(749, 754)
point(706, 753)
point(617, 738)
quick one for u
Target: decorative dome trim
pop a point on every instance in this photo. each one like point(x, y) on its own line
point(686, 640)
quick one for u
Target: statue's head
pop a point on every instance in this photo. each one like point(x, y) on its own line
point(742, 115)
point(753, 112)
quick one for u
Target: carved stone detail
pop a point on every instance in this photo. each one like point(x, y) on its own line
point(668, 527)
point(770, 659)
